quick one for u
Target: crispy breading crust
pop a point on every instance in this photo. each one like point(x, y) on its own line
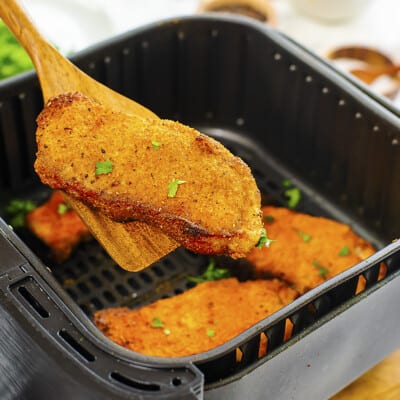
point(60, 232)
point(197, 320)
point(217, 208)
point(303, 261)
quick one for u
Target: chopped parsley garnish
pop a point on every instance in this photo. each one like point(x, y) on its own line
point(17, 210)
point(264, 239)
point(294, 197)
point(269, 219)
point(63, 208)
point(212, 273)
point(305, 236)
point(156, 145)
point(210, 332)
point(322, 271)
point(173, 187)
point(292, 193)
point(344, 251)
point(104, 167)
point(157, 323)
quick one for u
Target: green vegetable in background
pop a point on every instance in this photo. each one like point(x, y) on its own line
point(212, 273)
point(13, 58)
point(16, 211)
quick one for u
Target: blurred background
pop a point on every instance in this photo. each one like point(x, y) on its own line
point(323, 26)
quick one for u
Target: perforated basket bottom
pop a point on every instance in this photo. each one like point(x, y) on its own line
point(95, 282)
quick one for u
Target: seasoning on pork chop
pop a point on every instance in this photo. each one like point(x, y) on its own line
point(157, 171)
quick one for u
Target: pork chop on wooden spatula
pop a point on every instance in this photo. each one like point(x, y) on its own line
point(142, 185)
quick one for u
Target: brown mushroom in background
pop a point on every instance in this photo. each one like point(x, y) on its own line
point(260, 10)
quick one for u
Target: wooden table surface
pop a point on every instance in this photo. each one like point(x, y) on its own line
point(380, 383)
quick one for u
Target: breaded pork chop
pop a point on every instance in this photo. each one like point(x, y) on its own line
point(156, 171)
point(197, 320)
point(308, 250)
point(58, 226)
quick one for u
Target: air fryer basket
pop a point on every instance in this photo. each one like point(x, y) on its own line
point(289, 116)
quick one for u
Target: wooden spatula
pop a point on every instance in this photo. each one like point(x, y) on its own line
point(133, 245)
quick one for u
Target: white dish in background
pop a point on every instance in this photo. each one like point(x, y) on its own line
point(70, 25)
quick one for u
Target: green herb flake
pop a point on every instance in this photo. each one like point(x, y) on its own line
point(210, 332)
point(322, 271)
point(17, 210)
point(63, 208)
point(212, 273)
point(156, 145)
point(293, 196)
point(104, 167)
point(344, 251)
point(157, 323)
point(305, 236)
point(287, 183)
point(173, 187)
point(269, 219)
point(264, 239)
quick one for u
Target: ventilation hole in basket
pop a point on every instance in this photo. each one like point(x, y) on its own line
point(209, 115)
point(190, 285)
point(277, 56)
point(85, 309)
point(108, 275)
point(273, 186)
point(33, 302)
point(82, 267)
point(76, 345)
point(357, 115)
point(133, 283)
point(383, 270)
point(312, 309)
point(126, 51)
point(176, 381)
point(83, 288)
point(107, 60)
point(395, 142)
point(93, 259)
point(289, 326)
point(69, 273)
point(168, 264)
point(308, 79)
point(214, 33)
point(95, 281)
point(239, 355)
point(158, 271)
point(325, 90)
point(145, 44)
point(109, 297)
point(292, 67)
point(97, 304)
point(361, 284)
point(118, 269)
point(145, 277)
point(263, 348)
point(150, 387)
point(121, 290)
point(72, 294)
point(341, 102)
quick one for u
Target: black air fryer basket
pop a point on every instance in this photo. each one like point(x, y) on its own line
point(289, 116)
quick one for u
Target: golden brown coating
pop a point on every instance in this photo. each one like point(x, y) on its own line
point(59, 227)
point(197, 320)
point(214, 207)
point(308, 250)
